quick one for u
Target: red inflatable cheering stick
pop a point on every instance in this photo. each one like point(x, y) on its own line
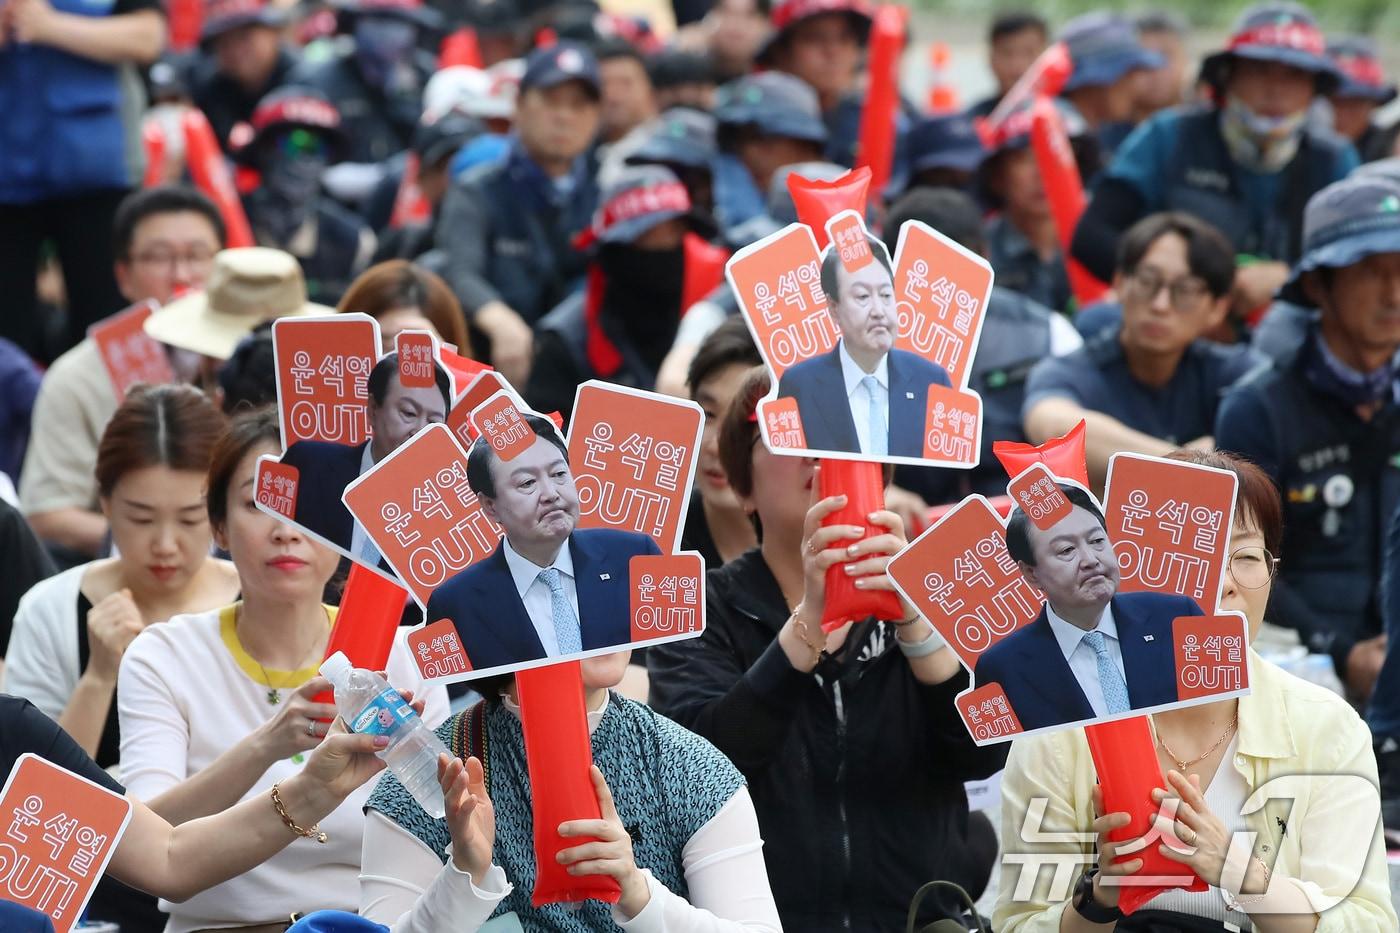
point(212, 176)
point(877, 120)
point(371, 609)
point(1124, 753)
point(819, 201)
point(558, 753)
point(863, 485)
point(1044, 78)
point(1064, 190)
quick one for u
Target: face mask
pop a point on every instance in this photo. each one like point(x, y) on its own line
point(384, 50)
point(1260, 143)
point(288, 194)
point(644, 289)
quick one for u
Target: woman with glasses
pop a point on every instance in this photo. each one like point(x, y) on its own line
point(1317, 860)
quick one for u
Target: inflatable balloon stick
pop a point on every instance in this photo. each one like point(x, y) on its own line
point(863, 484)
point(1065, 191)
point(1045, 78)
point(153, 141)
point(410, 207)
point(212, 176)
point(877, 120)
point(819, 201)
point(558, 754)
point(371, 609)
point(1063, 456)
point(185, 18)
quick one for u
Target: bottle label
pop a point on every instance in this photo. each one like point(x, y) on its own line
point(383, 715)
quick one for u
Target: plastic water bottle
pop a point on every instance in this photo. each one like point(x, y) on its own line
point(369, 705)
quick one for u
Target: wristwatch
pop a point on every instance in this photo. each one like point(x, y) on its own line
point(1087, 907)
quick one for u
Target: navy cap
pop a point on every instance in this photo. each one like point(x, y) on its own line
point(1275, 31)
point(945, 141)
point(436, 140)
point(1103, 47)
point(561, 63)
point(637, 199)
point(1361, 74)
point(223, 16)
point(294, 106)
point(777, 104)
point(1348, 221)
point(409, 11)
point(682, 136)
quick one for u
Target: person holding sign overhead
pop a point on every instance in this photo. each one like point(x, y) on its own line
point(396, 413)
point(865, 396)
point(1092, 652)
point(549, 589)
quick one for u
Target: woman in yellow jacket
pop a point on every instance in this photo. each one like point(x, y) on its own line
point(1317, 861)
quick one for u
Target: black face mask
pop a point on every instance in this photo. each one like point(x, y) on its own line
point(287, 195)
point(644, 289)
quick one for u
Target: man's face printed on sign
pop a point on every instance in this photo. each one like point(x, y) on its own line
point(403, 414)
point(1075, 564)
point(864, 310)
point(536, 502)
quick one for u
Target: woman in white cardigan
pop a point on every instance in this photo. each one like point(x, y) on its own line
point(218, 705)
point(71, 630)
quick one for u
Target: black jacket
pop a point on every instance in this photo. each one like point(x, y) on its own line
point(856, 773)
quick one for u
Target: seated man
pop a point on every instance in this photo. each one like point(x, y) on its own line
point(1153, 384)
point(1091, 652)
point(396, 413)
point(865, 396)
point(536, 598)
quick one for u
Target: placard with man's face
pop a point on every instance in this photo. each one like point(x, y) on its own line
point(870, 359)
point(1042, 611)
point(523, 549)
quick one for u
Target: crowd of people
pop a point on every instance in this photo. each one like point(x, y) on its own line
point(553, 189)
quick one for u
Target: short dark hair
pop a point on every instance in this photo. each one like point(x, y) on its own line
point(831, 262)
point(378, 382)
point(481, 456)
point(1014, 21)
point(1018, 538)
point(165, 199)
point(614, 47)
point(248, 378)
point(727, 344)
point(1161, 22)
point(1209, 254)
point(949, 211)
point(1257, 506)
point(244, 433)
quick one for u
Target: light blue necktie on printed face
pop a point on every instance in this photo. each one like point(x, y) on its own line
point(879, 431)
point(566, 630)
point(1115, 691)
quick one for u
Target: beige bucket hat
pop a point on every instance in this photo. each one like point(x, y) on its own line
point(246, 287)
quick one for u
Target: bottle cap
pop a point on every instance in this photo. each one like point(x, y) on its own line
point(336, 667)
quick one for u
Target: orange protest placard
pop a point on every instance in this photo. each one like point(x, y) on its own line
point(782, 424)
point(482, 387)
point(1210, 655)
point(668, 595)
point(942, 290)
point(777, 282)
point(276, 485)
point(417, 508)
point(1170, 525)
point(322, 368)
point(633, 458)
point(959, 575)
point(417, 359)
point(846, 232)
point(59, 831)
point(987, 714)
point(438, 651)
point(1035, 492)
point(499, 421)
point(953, 426)
point(128, 353)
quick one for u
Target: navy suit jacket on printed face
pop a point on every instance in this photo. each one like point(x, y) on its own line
point(326, 469)
point(820, 389)
point(483, 604)
point(1043, 691)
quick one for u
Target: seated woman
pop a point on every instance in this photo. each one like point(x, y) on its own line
point(850, 741)
point(694, 861)
point(1317, 862)
point(72, 630)
point(217, 705)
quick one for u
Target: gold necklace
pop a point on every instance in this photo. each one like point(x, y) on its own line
point(1183, 765)
point(274, 694)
